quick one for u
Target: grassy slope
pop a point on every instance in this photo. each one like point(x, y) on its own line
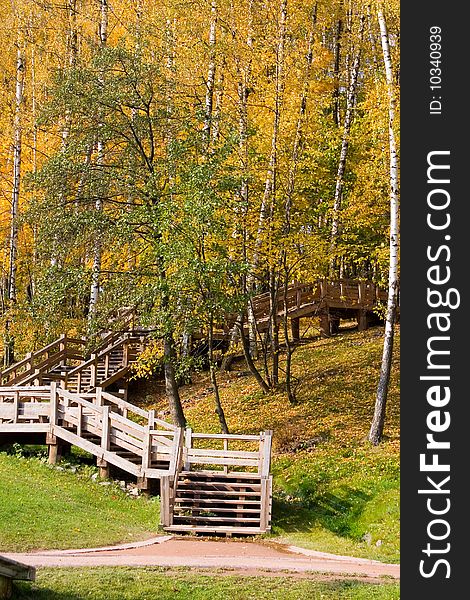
point(332, 491)
point(143, 584)
point(42, 507)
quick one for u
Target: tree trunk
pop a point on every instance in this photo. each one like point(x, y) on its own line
point(17, 148)
point(213, 374)
point(99, 205)
point(336, 65)
point(9, 345)
point(376, 430)
point(210, 82)
point(171, 385)
point(266, 208)
point(350, 102)
point(249, 360)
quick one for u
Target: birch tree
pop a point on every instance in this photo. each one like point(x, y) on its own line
point(376, 430)
point(99, 204)
point(348, 117)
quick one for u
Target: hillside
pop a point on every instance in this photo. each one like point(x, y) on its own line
point(333, 491)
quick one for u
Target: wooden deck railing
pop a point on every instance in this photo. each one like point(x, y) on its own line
point(98, 423)
point(341, 293)
point(61, 350)
point(256, 460)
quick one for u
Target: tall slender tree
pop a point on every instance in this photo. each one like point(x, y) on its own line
point(377, 426)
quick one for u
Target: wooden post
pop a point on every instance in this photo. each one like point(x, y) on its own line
point(106, 366)
point(93, 371)
point(187, 446)
point(325, 324)
point(63, 348)
point(16, 405)
point(29, 364)
point(99, 397)
point(51, 439)
point(361, 293)
point(143, 482)
point(266, 463)
point(165, 501)
point(362, 320)
point(334, 324)
point(125, 351)
point(295, 326)
point(37, 379)
point(79, 419)
point(105, 443)
point(226, 449)
point(264, 509)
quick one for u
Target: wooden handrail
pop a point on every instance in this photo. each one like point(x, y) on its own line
point(260, 459)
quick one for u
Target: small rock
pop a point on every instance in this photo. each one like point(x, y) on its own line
point(59, 469)
point(134, 492)
point(378, 543)
point(105, 483)
point(94, 477)
point(367, 538)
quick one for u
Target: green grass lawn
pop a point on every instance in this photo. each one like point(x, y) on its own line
point(151, 583)
point(42, 507)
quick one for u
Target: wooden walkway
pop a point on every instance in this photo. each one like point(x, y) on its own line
point(328, 300)
point(208, 483)
point(12, 570)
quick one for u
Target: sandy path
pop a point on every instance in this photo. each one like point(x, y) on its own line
point(172, 552)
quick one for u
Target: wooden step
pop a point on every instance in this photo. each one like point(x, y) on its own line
point(218, 519)
point(212, 485)
point(215, 509)
point(211, 501)
point(218, 492)
point(212, 529)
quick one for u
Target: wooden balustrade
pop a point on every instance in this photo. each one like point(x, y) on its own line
point(34, 364)
point(257, 461)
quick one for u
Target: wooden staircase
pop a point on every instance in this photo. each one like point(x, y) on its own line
point(212, 484)
point(64, 361)
point(214, 499)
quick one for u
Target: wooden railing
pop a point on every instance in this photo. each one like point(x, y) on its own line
point(253, 461)
point(131, 345)
point(152, 447)
point(25, 409)
point(61, 350)
point(342, 293)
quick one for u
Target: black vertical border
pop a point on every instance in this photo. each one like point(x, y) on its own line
point(422, 132)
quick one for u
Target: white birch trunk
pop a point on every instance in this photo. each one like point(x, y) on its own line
point(270, 183)
point(98, 249)
point(350, 102)
point(376, 430)
point(210, 82)
point(17, 148)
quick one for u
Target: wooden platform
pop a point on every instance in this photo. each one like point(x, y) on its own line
point(11, 570)
point(329, 300)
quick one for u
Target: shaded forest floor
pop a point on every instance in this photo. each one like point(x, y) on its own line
point(333, 491)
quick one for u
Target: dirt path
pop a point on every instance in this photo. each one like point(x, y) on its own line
point(252, 557)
